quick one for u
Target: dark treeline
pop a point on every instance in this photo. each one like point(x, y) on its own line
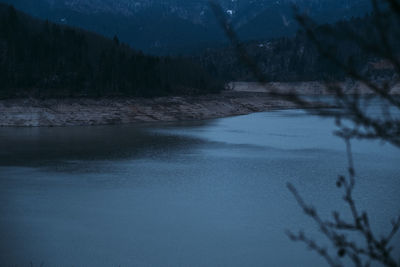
point(298, 59)
point(43, 59)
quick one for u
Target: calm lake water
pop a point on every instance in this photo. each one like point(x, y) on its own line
point(208, 193)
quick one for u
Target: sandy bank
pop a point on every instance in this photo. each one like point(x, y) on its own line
point(80, 111)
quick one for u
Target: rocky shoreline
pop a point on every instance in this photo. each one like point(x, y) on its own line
point(107, 111)
point(241, 98)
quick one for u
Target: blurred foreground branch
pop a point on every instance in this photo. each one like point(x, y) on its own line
point(380, 42)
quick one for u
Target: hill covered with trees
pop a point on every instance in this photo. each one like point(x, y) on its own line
point(39, 58)
point(350, 42)
point(166, 27)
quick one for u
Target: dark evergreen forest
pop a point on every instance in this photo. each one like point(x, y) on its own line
point(43, 59)
point(352, 42)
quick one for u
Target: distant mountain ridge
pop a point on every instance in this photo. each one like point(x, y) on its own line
point(179, 26)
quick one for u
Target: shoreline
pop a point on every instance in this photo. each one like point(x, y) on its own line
point(115, 111)
point(242, 98)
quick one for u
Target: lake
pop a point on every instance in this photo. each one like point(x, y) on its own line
point(209, 193)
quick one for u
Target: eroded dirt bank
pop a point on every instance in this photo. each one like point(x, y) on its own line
point(81, 111)
point(242, 98)
point(307, 88)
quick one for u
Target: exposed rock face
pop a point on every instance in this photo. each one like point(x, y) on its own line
point(66, 112)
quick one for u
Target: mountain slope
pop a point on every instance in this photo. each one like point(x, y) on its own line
point(355, 42)
point(49, 60)
point(180, 26)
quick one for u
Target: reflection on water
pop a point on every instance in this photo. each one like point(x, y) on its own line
point(27, 146)
point(188, 194)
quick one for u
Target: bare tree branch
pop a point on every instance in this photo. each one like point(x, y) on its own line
point(350, 108)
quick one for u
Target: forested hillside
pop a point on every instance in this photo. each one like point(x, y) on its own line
point(39, 58)
point(298, 59)
point(186, 26)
